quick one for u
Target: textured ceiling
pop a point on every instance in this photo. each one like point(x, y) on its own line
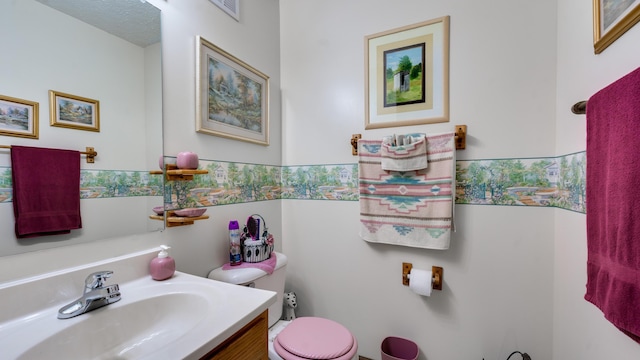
point(133, 20)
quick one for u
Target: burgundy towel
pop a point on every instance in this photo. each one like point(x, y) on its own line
point(613, 203)
point(46, 191)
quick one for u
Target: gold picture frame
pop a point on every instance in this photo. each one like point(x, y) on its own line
point(611, 19)
point(407, 75)
point(73, 111)
point(232, 97)
point(19, 117)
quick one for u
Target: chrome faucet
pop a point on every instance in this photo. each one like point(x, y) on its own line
point(95, 295)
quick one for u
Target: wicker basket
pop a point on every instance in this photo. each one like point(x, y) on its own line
point(254, 253)
point(258, 247)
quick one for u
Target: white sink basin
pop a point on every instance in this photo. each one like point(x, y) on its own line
point(183, 317)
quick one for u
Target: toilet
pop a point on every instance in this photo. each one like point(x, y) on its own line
point(303, 338)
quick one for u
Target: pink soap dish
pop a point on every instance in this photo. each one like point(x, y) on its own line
point(190, 212)
point(159, 210)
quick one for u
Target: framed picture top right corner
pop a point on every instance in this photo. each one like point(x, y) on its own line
point(611, 19)
point(407, 75)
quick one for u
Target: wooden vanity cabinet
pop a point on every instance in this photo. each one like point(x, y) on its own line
point(248, 343)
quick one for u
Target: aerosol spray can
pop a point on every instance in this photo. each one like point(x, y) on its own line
point(235, 254)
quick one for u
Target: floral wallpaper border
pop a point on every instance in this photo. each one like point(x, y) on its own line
point(552, 182)
point(546, 182)
point(99, 184)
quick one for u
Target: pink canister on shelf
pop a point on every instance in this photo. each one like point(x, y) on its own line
point(187, 160)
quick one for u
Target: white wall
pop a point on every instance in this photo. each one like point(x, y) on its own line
point(255, 40)
point(498, 273)
point(580, 330)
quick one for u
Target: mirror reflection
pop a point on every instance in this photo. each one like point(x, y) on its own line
point(104, 50)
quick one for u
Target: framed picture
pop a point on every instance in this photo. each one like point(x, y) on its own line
point(74, 112)
point(231, 7)
point(611, 19)
point(232, 97)
point(18, 117)
point(407, 75)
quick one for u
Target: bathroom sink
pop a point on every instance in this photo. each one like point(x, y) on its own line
point(183, 317)
point(127, 331)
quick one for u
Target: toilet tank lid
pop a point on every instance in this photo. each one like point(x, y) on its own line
point(245, 275)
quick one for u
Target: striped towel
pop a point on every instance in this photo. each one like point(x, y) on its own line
point(410, 208)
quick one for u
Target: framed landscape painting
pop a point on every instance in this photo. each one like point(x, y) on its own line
point(407, 75)
point(18, 117)
point(74, 112)
point(232, 97)
point(611, 19)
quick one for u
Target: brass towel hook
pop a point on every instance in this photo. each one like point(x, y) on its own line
point(579, 108)
point(461, 137)
point(354, 143)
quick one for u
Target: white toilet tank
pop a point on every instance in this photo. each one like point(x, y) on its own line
point(260, 280)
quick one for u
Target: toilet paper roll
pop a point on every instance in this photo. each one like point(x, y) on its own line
point(420, 281)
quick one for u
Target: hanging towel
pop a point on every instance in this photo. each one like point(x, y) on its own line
point(410, 155)
point(46, 191)
point(410, 208)
point(613, 200)
point(267, 266)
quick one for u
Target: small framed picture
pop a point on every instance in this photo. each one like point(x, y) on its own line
point(611, 19)
point(232, 97)
point(407, 75)
point(74, 112)
point(18, 117)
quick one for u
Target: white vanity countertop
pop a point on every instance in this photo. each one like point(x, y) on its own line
point(183, 317)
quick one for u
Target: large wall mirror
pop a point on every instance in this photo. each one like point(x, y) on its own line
point(109, 51)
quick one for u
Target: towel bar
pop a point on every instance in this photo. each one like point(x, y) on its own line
point(460, 139)
point(90, 152)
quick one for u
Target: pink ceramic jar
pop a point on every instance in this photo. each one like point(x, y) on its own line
point(187, 160)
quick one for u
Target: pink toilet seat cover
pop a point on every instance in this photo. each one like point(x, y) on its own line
point(315, 338)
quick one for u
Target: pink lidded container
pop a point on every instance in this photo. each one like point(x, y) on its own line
point(187, 160)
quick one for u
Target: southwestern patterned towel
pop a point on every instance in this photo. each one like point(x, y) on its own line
point(410, 208)
point(406, 157)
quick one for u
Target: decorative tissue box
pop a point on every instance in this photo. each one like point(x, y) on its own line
point(256, 246)
point(254, 251)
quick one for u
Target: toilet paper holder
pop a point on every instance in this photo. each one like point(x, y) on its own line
point(436, 272)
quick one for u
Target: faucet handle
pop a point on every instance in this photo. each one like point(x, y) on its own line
point(97, 279)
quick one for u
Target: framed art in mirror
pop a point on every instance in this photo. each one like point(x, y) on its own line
point(407, 75)
point(232, 97)
point(611, 19)
point(74, 112)
point(18, 117)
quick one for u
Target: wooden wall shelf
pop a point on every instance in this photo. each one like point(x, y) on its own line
point(175, 174)
point(172, 220)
